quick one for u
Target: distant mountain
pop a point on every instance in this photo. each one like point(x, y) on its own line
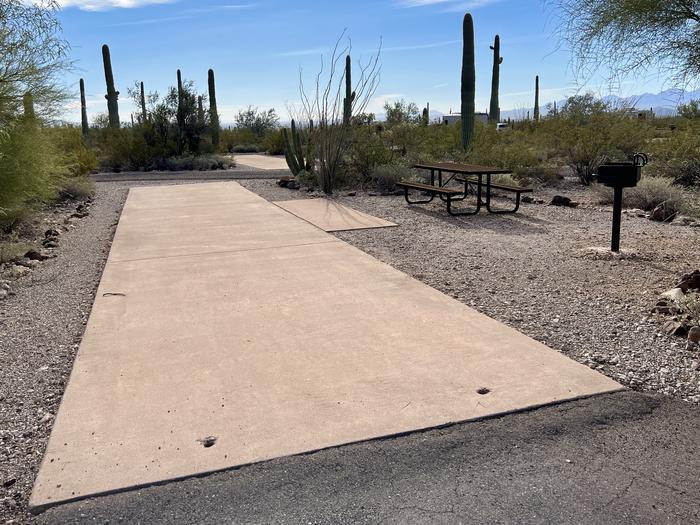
point(663, 104)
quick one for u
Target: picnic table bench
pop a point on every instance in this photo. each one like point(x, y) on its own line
point(468, 175)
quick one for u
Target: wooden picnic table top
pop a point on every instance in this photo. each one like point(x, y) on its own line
point(464, 169)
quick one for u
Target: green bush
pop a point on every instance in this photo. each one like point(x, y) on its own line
point(274, 142)
point(79, 159)
point(200, 163)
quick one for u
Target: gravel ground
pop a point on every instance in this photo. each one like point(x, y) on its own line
point(540, 279)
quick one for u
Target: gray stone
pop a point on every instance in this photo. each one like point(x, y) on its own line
point(675, 294)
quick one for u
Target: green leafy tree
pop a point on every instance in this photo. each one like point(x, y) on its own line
point(401, 112)
point(691, 110)
point(259, 122)
point(632, 36)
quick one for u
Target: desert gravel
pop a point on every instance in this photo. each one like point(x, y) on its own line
point(533, 271)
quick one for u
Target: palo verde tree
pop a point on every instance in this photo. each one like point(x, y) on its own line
point(633, 36)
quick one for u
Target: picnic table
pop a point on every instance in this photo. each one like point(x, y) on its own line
point(468, 175)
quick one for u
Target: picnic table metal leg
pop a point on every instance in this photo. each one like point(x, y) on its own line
point(488, 200)
point(457, 213)
point(405, 194)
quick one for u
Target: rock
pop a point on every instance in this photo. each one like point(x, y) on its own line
point(5, 285)
point(51, 233)
point(292, 185)
point(27, 263)
point(51, 242)
point(18, 271)
point(674, 328)
point(662, 213)
point(527, 199)
point(35, 255)
point(282, 183)
point(686, 221)
point(373, 194)
point(694, 335)
point(559, 200)
point(3, 294)
point(675, 295)
point(690, 281)
point(352, 194)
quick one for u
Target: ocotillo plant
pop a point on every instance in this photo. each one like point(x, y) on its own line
point(213, 112)
point(83, 110)
point(297, 159)
point(112, 95)
point(180, 113)
point(468, 82)
point(495, 108)
point(349, 93)
point(144, 113)
point(536, 114)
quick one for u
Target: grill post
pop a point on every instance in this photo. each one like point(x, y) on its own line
point(617, 219)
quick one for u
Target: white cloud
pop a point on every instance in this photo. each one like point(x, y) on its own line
point(103, 5)
point(449, 5)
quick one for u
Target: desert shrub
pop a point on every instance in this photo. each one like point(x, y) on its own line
point(647, 195)
point(80, 188)
point(385, 177)
point(248, 148)
point(367, 151)
point(259, 123)
point(30, 169)
point(10, 250)
point(78, 158)
point(274, 142)
point(677, 156)
point(200, 163)
point(307, 179)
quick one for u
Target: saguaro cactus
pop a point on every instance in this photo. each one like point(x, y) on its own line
point(495, 108)
point(28, 103)
point(83, 110)
point(213, 112)
point(349, 93)
point(180, 113)
point(144, 113)
point(112, 95)
point(200, 111)
point(468, 82)
point(536, 114)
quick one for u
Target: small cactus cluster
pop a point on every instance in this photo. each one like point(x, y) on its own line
point(349, 93)
point(298, 160)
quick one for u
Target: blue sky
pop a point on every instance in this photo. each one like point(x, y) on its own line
point(258, 47)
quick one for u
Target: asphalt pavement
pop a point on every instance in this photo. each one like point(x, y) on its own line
point(617, 458)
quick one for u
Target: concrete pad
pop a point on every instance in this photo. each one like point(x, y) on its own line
point(274, 346)
point(332, 216)
point(262, 162)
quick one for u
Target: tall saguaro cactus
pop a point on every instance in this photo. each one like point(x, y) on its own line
point(468, 82)
point(495, 108)
point(112, 95)
point(536, 114)
point(144, 113)
point(349, 93)
point(28, 103)
point(180, 113)
point(213, 112)
point(83, 110)
point(200, 111)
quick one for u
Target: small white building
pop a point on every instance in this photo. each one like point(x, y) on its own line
point(453, 118)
